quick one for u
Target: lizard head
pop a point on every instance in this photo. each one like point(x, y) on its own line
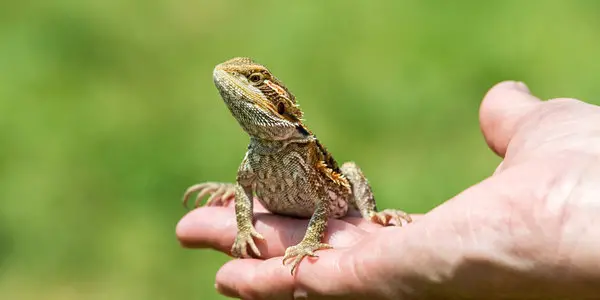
point(262, 105)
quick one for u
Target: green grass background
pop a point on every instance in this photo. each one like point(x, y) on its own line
point(108, 112)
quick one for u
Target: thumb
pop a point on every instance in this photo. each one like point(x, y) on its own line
point(501, 112)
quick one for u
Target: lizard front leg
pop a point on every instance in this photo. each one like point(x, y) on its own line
point(244, 217)
point(312, 238)
point(244, 212)
point(365, 202)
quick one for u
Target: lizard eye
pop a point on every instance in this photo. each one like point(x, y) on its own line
point(255, 77)
point(280, 108)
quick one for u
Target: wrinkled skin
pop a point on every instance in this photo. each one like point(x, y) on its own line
point(531, 230)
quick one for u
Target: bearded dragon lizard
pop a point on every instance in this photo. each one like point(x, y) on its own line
point(286, 166)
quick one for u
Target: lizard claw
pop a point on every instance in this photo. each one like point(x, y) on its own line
point(220, 193)
point(245, 239)
point(302, 250)
point(384, 217)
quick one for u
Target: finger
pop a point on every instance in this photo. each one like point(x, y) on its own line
point(270, 279)
point(334, 274)
point(501, 112)
point(255, 279)
point(215, 227)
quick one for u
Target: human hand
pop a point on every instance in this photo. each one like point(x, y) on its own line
point(528, 231)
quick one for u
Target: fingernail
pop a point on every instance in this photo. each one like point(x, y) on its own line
point(499, 167)
point(521, 86)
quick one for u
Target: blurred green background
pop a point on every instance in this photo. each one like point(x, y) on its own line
point(108, 112)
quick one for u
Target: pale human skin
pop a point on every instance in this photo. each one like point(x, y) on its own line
point(531, 230)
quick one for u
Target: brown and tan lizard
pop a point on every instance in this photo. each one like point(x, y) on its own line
point(286, 166)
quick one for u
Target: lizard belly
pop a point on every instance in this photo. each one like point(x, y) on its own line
point(285, 191)
point(286, 185)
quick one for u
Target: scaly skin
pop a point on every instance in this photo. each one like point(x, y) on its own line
point(287, 168)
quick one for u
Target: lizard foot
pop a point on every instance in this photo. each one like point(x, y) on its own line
point(220, 193)
point(244, 239)
point(384, 217)
point(302, 250)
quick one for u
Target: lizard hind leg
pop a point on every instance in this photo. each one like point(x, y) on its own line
point(221, 193)
point(364, 200)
